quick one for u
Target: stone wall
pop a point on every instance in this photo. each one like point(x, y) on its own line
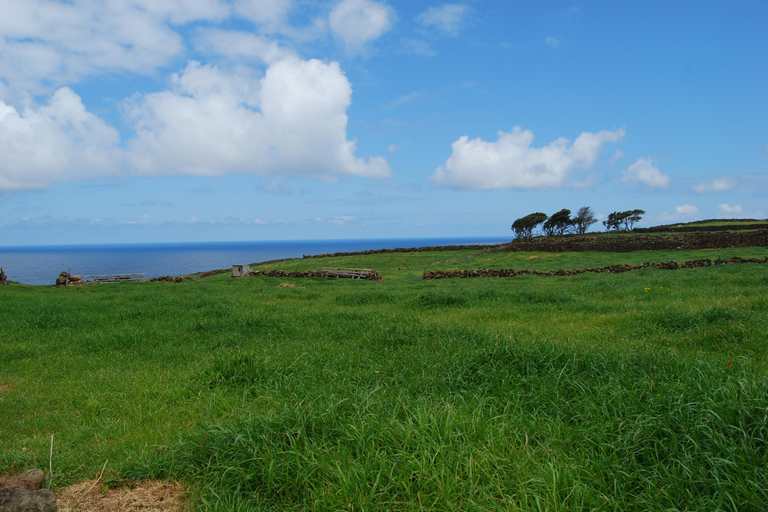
point(374, 276)
point(638, 242)
point(611, 269)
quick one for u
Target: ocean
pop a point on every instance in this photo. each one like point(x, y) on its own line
point(40, 265)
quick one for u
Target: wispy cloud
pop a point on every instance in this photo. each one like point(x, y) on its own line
point(571, 11)
point(716, 185)
point(553, 42)
point(406, 98)
point(448, 19)
point(684, 212)
point(417, 47)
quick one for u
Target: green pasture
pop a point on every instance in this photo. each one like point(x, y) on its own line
point(638, 391)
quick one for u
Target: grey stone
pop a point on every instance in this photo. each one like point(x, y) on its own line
point(31, 479)
point(19, 499)
point(241, 270)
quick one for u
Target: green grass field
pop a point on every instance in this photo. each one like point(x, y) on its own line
point(639, 391)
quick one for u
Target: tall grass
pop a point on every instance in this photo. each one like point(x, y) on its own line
point(638, 391)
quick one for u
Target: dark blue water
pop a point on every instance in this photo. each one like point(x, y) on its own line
point(41, 265)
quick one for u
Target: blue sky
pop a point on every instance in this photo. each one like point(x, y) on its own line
point(217, 120)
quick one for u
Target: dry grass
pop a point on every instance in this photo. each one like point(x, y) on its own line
point(150, 496)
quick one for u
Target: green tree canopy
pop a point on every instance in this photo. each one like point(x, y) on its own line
point(524, 226)
point(625, 220)
point(558, 223)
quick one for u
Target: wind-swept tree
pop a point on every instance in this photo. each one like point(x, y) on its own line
point(583, 220)
point(524, 226)
point(626, 220)
point(632, 218)
point(558, 223)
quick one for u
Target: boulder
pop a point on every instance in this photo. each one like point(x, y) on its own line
point(62, 279)
point(31, 479)
point(24, 494)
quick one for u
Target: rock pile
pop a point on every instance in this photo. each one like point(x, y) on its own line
point(25, 494)
point(611, 269)
point(170, 279)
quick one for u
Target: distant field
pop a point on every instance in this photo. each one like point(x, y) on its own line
point(724, 223)
point(639, 391)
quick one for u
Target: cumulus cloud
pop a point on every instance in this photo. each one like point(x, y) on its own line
point(724, 208)
point(736, 211)
point(448, 19)
point(291, 121)
point(46, 43)
point(511, 162)
point(685, 211)
point(643, 171)
point(357, 22)
point(59, 141)
point(716, 185)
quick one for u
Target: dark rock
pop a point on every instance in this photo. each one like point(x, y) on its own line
point(19, 499)
point(31, 479)
point(62, 279)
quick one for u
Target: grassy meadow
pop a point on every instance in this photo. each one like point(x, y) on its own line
point(646, 390)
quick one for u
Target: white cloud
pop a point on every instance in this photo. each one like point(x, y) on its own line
point(292, 121)
point(357, 22)
point(553, 42)
point(45, 44)
point(643, 171)
point(417, 47)
point(724, 208)
point(618, 155)
point(511, 162)
point(716, 185)
point(238, 45)
point(685, 211)
point(406, 98)
point(59, 141)
point(449, 18)
point(269, 14)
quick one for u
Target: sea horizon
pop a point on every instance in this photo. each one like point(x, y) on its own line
point(41, 264)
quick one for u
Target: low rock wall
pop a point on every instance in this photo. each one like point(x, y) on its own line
point(638, 242)
point(283, 274)
point(611, 269)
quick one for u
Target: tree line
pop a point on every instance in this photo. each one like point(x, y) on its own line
point(561, 222)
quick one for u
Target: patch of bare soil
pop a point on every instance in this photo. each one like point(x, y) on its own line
point(89, 496)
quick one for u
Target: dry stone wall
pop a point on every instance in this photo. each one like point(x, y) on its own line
point(611, 269)
point(638, 242)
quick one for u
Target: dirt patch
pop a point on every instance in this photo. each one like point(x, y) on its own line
point(288, 285)
point(151, 496)
point(4, 388)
